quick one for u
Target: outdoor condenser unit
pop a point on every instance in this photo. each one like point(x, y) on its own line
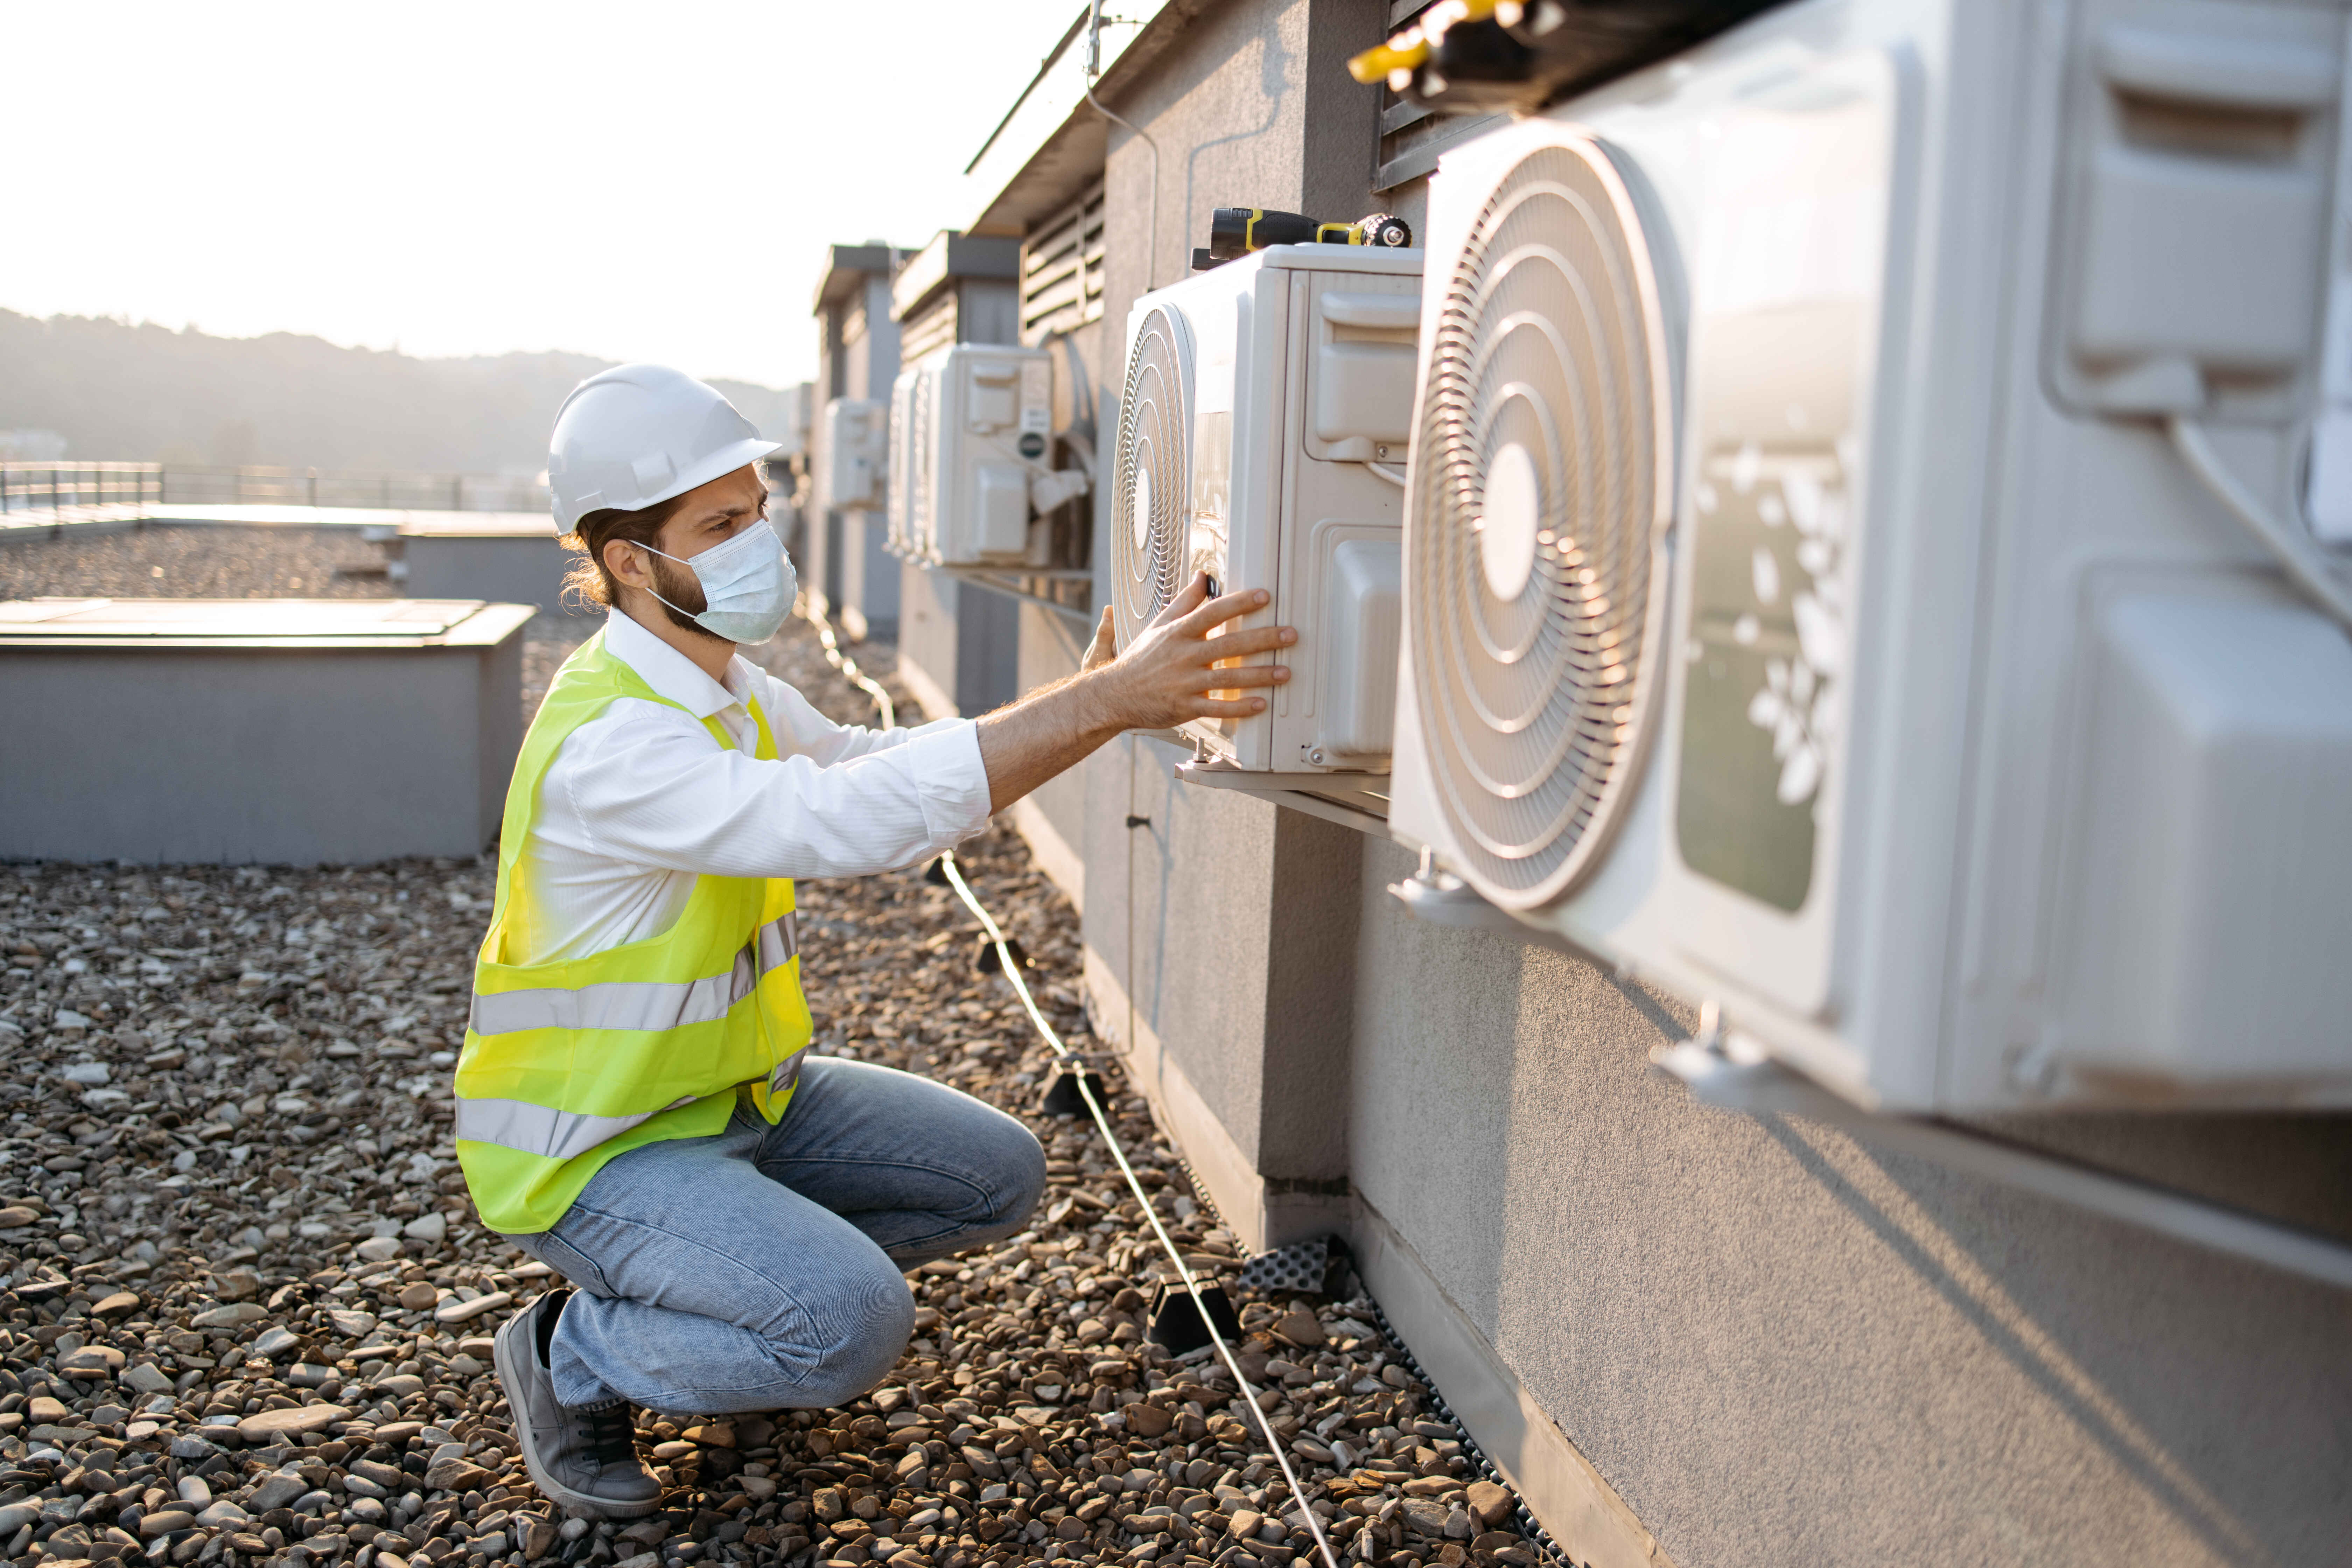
point(1822, 590)
point(1267, 410)
point(976, 441)
point(856, 434)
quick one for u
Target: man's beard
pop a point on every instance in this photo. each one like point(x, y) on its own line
point(682, 592)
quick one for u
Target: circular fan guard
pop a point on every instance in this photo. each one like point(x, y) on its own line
point(1534, 628)
point(1154, 477)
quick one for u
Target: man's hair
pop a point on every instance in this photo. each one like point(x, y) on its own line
point(590, 582)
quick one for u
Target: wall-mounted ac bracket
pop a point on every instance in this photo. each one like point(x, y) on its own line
point(1351, 800)
point(1439, 898)
point(1031, 585)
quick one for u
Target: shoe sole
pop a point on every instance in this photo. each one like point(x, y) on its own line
point(577, 1502)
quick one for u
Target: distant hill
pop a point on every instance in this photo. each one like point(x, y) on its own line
point(147, 394)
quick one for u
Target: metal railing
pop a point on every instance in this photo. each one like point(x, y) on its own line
point(27, 486)
point(49, 486)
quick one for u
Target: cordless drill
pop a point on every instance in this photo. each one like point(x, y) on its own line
point(1234, 232)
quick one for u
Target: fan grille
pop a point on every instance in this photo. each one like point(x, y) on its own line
point(1534, 569)
point(919, 538)
point(1154, 476)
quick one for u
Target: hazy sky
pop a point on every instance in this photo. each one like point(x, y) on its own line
point(634, 181)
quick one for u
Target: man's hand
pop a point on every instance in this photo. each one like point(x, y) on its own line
point(1168, 675)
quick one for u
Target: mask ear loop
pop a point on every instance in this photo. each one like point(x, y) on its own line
point(693, 616)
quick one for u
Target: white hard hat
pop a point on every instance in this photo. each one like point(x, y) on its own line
point(639, 434)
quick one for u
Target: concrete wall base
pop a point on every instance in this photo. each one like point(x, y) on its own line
point(1055, 857)
point(926, 689)
point(1261, 1213)
point(1558, 1484)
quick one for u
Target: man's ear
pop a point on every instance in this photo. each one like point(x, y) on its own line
point(623, 561)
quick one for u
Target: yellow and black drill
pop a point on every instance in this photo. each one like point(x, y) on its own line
point(1234, 232)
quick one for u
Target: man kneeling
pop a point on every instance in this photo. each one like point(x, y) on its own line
point(635, 1103)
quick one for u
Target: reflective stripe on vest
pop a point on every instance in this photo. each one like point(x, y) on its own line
point(648, 1004)
point(553, 1134)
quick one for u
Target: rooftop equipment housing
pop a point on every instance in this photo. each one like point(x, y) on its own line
point(1804, 606)
point(496, 556)
point(279, 732)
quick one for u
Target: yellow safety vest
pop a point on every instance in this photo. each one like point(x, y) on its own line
point(569, 1064)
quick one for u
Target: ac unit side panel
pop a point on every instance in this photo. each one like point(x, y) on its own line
point(912, 464)
point(1966, 273)
point(1261, 475)
point(856, 434)
point(1330, 498)
point(994, 423)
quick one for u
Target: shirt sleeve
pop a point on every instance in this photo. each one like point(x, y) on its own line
point(647, 785)
point(801, 728)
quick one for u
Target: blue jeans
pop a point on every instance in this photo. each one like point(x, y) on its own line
point(762, 1269)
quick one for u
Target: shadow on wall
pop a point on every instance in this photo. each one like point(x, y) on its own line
point(1274, 82)
point(2036, 1281)
point(1778, 1344)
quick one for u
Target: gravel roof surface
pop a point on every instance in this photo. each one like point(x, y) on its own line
point(246, 1312)
point(186, 563)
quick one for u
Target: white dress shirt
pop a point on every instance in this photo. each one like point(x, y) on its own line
point(642, 799)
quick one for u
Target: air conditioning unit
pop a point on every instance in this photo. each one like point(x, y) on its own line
point(1268, 409)
point(1823, 591)
point(913, 458)
point(971, 448)
point(994, 411)
point(857, 435)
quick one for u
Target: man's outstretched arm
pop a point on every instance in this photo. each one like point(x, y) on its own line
point(1164, 678)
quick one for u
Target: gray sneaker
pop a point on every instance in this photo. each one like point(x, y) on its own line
point(584, 1457)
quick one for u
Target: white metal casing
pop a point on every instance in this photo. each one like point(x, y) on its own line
point(991, 429)
point(1298, 363)
point(2061, 812)
point(854, 447)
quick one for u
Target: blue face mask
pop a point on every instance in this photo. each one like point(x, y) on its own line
point(748, 586)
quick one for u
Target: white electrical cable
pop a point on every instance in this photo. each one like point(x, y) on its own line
point(2305, 561)
point(1093, 69)
point(808, 612)
point(815, 617)
point(1191, 1285)
point(1393, 476)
